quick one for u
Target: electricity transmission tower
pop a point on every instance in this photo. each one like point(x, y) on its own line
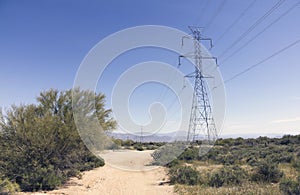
point(201, 117)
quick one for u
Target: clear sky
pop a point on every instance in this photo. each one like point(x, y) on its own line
point(42, 44)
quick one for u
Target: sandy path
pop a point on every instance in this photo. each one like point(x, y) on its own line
point(119, 181)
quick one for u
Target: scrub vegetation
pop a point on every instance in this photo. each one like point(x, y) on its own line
point(40, 145)
point(240, 166)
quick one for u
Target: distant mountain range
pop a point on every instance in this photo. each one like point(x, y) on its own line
point(252, 135)
point(163, 137)
point(179, 136)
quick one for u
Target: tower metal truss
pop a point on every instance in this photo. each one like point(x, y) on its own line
point(201, 125)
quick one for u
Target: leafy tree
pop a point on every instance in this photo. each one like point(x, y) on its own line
point(40, 145)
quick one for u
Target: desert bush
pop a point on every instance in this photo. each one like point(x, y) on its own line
point(238, 141)
point(151, 147)
point(189, 154)
point(118, 142)
point(8, 187)
point(45, 178)
point(285, 140)
point(127, 143)
point(283, 157)
point(252, 160)
point(112, 146)
point(225, 142)
point(266, 172)
point(227, 175)
point(167, 153)
point(289, 187)
point(296, 163)
point(173, 163)
point(138, 147)
point(184, 175)
point(228, 159)
point(40, 145)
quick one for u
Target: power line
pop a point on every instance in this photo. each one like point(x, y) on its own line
point(235, 22)
point(162, 95)
point(202, 11)
point(217, 12)
point(170, 79)
point(253, 26)
point(261, 62)
point(177, 95)
point(258, 34)
point(175, 99)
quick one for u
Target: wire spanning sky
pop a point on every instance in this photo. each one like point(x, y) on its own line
point(42, 44)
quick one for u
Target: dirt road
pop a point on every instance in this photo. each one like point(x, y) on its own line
point(125, 173)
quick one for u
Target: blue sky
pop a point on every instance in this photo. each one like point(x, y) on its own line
point(42, 44)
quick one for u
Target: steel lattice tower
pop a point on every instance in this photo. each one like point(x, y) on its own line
point(201, 118)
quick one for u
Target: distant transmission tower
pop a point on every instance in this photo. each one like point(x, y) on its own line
point(201, 118)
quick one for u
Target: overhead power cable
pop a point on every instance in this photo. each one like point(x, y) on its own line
point(235, 21)
point(258, 34)
point(252, 27)
point(166, 90)
point(206, 3)
point(261, 62)
point(214, 16)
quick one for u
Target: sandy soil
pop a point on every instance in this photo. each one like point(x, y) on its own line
point(125, 173)
point(130, 160)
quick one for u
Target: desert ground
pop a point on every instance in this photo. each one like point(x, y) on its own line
point(126, 172)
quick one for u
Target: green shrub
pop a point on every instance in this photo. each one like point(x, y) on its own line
point(40, 145)
point(266, 172)
point(252, 160)
point(296, 163)
point(118, 142)
point(189, 154)
point(229, 159)
point(167, 153)
point(184, 175)
point(8, 187)
point(91, 163)
point(128, 143)
point(41, 178)
point(138, 147)
point(113, 146)
point(282, 157)
point(227, 175)
point(289, 187)
point(151, 147)
point(173, 163)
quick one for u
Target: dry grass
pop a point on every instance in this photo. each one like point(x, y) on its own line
point(245, 189)
point(248, 188)
point(289, 171)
